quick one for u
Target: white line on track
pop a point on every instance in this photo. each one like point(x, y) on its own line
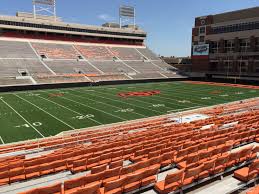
point(44, 111)
point(102, 102)
point(2, 140)
point(94, 108)
point(69, 109)
point(23, 118)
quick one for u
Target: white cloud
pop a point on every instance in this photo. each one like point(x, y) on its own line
point(106, 17)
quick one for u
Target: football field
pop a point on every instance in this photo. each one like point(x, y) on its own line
point(43, 113)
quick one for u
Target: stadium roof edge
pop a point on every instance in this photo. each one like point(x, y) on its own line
point(72, 25)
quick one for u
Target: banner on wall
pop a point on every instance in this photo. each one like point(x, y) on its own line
point(201, 50)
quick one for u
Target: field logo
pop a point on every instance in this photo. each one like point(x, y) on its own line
point(140, 94)
point(56, 94)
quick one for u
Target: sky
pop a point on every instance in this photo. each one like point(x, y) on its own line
point(168, 22)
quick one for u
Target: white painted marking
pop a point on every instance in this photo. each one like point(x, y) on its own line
point(101, 96)
point(125, 110)
point(157, 105)
point(44, 111)
point(184, 101)
point(84, 117)
point(128, 103)
point(206, 98)
point(23, 118)
point(2, 140)
point(68, 109)
point(93, 107)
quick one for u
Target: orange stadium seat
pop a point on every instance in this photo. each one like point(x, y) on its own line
point(171, 183)
point(93, 188)
point(247, 173)
point(254, 190)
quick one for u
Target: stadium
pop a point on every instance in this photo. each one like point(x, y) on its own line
point(93, 110)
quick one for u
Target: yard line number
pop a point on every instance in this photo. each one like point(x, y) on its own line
point(35, 124)
point(82, 117)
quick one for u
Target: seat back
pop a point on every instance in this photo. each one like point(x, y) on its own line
point(192, 158)
point(208, 165)
point(93, 160)
point(152, 171)
point(168, 156)
point(50, 189)
point(221, 161)
point(193, 172)
point(254, 166)
point(109, 186)
point(140, 165)
point(154, 161)
point(78, 163)
point(246, 151)
point(98, 169)
point(174, 177)
point(127, 169)
point(90, 178)
point(93, 188)
point(226, 148)
point(205, 155)
point(133, 177)
point(116, 164)
point(105, 156)
point(154, 154)
point(112, 172)
point(74, 183)
point(32, 191)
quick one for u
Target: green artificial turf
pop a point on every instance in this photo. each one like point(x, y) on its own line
point(36, 114)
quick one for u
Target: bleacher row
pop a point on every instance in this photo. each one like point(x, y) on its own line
point(198, 153)
point(44, 59)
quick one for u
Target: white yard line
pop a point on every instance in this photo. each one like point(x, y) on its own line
point(189, 94)
point(150, 102)
point(128, 103)
point(2, 140)
point(171, 98)
point(103, 102)
point(45, 111)
point(69, 109)
point(23, 118)
point(95, 109)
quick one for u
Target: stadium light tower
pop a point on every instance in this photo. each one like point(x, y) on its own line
point(127, 13)
point(44, 6)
